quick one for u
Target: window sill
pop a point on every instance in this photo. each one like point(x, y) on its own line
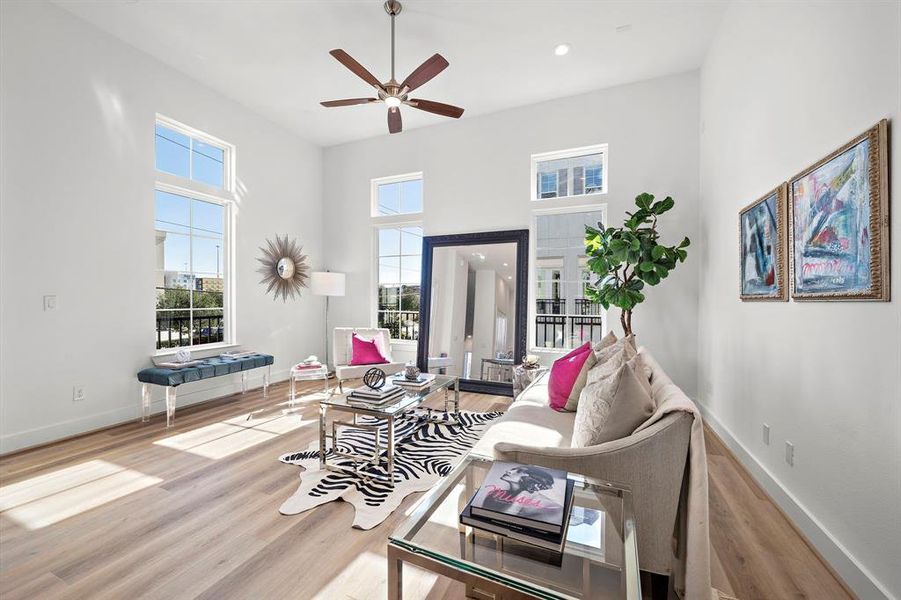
point(212, 349)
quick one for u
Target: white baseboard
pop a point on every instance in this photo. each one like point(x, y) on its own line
point(854, 574)
point(186, 396)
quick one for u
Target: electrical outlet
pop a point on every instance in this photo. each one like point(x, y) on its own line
point(766, 434)
point(78, 393)
point(50, 302)
point(790, 453)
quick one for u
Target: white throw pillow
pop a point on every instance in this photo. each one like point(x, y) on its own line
point(613, 407)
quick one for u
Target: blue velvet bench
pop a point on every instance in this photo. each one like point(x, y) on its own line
point(209, 368)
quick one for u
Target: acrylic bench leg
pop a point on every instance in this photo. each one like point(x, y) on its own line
point(145, 402)
point(170, 406)
point(266, 375)
point(243, 382)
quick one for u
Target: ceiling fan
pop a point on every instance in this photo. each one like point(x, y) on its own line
point(392, 93)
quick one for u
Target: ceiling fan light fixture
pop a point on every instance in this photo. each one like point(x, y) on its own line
point(561, 49)
point(392, 101)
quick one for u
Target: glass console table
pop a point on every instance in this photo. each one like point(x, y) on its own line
point(600, 559)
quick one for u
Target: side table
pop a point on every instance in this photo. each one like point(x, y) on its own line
point(307, 375)
point(523, 377)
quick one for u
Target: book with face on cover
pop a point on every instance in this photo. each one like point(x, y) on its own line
point(527, 495)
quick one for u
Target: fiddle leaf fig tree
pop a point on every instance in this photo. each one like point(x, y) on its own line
point(626, 259)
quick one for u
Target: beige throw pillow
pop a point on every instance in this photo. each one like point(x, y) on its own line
point(607, 340)
point(612, 357)
point(613, 407)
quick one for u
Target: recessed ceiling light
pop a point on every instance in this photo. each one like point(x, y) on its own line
point(509, 276)
point(561, 49)
point(506, 265)
point(623, 28)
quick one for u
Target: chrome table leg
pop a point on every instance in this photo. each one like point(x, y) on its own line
point(145, 402)
point(266, 375)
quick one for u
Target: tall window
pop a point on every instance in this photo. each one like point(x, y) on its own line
point(564, 318)
point(569, 173)
point(400, 260)
point(396, 212)
point(192, 202)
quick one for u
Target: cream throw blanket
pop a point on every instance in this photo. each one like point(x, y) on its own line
point(691, 572)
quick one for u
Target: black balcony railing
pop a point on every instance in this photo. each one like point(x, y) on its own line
point(174, 332)
point(550, 306)
point(554, 328)
point(403, 324)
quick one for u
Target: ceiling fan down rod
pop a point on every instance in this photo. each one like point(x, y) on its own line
point(393, 8)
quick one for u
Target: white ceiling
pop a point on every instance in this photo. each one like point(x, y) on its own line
point(272, 56)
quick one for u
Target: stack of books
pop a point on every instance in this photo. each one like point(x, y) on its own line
point(523, 502)
point(422, 381)
point(377, 397)
point(308, 365)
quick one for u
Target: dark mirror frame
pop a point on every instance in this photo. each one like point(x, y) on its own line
point(518, 236)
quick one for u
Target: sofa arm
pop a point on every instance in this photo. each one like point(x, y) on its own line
point(651, 463)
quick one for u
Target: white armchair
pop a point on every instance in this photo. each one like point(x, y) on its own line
point(342, 353)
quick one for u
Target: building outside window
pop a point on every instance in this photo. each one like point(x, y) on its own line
point(570, 173)
point(399, 266)
point(192, 218)
point(397, 204)
point(564, 318)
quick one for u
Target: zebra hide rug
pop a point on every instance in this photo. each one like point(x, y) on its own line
point(424, 452)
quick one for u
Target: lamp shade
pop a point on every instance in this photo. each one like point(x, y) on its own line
point(326, 283)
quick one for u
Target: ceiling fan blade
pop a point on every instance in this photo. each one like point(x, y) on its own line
point(348, 102)
point(394, 122)
point(424, 72)
point(439, 108)
point(359, 70)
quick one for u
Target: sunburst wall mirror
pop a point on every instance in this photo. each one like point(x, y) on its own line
point(284, 268)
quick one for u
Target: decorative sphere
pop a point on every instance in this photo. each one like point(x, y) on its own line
point(183, 356)
point(374, 378)
point(285, 268)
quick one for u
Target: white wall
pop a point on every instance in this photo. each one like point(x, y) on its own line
point(476, 177)
point(77, 216)
point(783, 85)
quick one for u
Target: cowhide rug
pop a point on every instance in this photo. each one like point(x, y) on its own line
point(424, 452)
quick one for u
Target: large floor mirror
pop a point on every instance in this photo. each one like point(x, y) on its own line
point(473, 307)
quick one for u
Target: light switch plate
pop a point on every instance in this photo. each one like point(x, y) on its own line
point(790, 453)
point(77, 393)
point(50, 302)
point(766, 434)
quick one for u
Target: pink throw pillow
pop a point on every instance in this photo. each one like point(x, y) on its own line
point(568, 376)
point(365, 352)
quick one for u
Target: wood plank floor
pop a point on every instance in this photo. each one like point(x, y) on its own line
point(192, 512)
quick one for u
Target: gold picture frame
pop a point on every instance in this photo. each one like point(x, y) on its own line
point(839, 223)
point(769, 209)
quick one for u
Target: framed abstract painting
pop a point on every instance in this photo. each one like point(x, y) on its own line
point(839, 223)
point(762, 229)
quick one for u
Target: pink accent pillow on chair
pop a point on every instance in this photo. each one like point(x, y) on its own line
point(568, 376)
point(365, 352)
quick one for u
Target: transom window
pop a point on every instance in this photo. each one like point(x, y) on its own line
point(185, 156)
point(192, 238)
point(569, 173)
point(564, 318)
point(399, 195)
point(399, 266)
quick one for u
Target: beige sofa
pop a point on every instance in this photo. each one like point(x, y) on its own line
point(652, 462)
point(342, 353)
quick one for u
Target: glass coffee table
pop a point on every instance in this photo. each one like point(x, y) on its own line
point(599, 560)
point(410, 400)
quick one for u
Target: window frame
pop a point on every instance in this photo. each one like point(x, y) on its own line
point(225, 197)
point(400, 217)
point(533, 269)
point(376, 229)
point(601, 149)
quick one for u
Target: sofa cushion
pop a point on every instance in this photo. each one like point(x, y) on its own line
point(614, 357)
point(568, 376)
point(365, 352)
point(613, 407)
point(529, 420)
